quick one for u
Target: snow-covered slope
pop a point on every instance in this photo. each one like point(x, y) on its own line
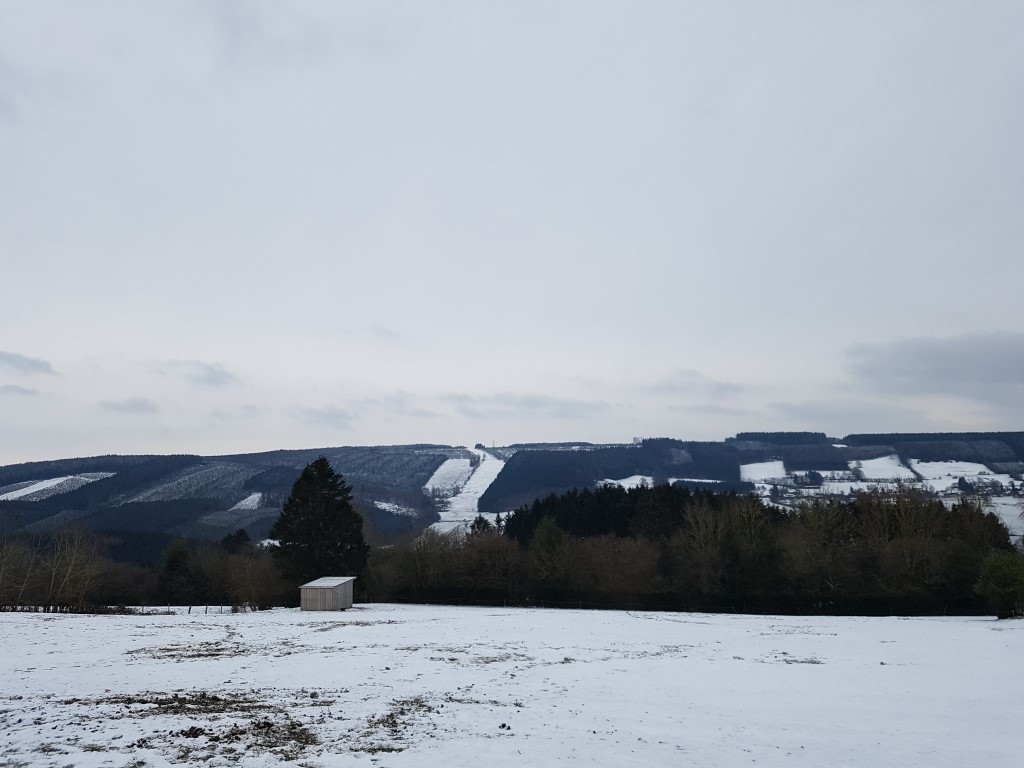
point(37, 490)
point(438, 687)
point(460, 510)
point(763, 471)
point(885, 469)
point(449, 478)
point(1009, 510)
point(944, 475)
point(252, 501)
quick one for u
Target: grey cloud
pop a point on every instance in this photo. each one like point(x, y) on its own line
point(134, 405)
point(402, 404)
point(842, 416)
point(687, 381)
point(713, 409)
point(250, 34)
point(16, 363)
point(14, 389)
point(204, 374)
point(383, 333)
point(240, 412)
point(11, 83)
point(329, 415)
point(506, 404)
point(986, 367)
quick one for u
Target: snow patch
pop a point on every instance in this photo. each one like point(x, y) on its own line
point(943, 476)
point(763, 471)
point(55, 486)
point(633, 481)
point(884, 468)
point(252, 501)
point(395, 509)
point(449, 478)
point(1009, 509)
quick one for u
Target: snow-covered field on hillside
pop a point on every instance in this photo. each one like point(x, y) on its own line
point(884, 468)
point(1008, 509)
point(763, 471)
point(422, 686)
point(943, 476)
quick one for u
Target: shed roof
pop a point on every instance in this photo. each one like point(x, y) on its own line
point(328, 582)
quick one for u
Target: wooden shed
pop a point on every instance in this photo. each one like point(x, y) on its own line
point(331, 593)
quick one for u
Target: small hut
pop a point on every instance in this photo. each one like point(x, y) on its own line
point(331, 593)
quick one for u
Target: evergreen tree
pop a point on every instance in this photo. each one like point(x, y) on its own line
point(480, 526)
point(319, 533)
point(180, 582)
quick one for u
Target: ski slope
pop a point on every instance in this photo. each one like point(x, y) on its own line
point(460, 510)
point(449, 478)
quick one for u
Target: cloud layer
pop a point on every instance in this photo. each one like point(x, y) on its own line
point(258, 225)
point(22, 364)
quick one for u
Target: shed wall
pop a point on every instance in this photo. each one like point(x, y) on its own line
point(326, 598)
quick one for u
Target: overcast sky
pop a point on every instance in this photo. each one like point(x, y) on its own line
point(239, 226)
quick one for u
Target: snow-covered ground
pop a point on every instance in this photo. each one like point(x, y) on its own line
point(395, 509)
point(252, 501)
point(424, 686)
point(460, 510)
point(943, 476)
point(848, 487)
point(761, 472)
point(633, 481)
point(41, 489)
point(884, 468)
point(1009, 509)
point(449, 478)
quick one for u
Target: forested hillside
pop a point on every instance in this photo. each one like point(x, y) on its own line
point(209, 497)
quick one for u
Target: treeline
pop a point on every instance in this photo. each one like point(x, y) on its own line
point(34, 470)
point(782, 438)
point(663, 547)
point(536, 473)
point(820, 457)
point(369, 470)
point(73, 571)
point(981, 447)
point(670, 548)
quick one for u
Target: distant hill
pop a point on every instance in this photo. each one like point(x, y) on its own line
point(211, 496)
point(396, 489)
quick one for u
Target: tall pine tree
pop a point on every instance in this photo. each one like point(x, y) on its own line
point(319, 533)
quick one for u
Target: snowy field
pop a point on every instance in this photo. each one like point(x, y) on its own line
point(388, 685)
point(1008, 509)
point(942, 476)
point(884, 468)
point(762, 472)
